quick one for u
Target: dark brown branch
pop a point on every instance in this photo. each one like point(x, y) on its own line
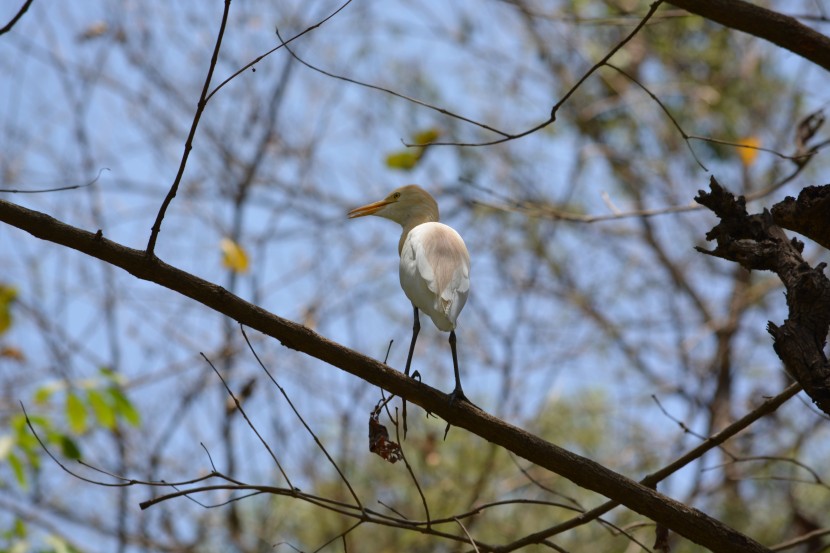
point(686, 521)
point(756, 242)
point(780, 29)
point(807, 215)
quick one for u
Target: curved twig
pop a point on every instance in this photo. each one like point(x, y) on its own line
point(23, 9)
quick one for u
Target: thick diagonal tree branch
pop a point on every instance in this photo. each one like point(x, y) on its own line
point(780, 29)
point(756, 242)
point(688, 522)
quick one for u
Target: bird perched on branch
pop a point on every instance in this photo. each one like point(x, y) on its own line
point(435, 264)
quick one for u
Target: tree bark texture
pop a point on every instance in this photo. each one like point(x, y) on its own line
point(758, 243)
point(780, 29)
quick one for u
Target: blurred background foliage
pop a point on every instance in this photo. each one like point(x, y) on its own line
point(586, 309)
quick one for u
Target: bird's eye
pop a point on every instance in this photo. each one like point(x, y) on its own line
point(396, 195)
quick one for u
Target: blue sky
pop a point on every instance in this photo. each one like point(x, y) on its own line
point(70, 107)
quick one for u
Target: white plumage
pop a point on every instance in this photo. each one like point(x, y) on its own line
point(435, 272)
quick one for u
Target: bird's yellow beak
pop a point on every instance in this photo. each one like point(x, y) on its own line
point(369, 209)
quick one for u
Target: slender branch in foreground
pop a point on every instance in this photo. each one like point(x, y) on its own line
point(188, 145)
point(682, 519)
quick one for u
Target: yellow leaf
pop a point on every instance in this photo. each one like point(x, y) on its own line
point(7, 296)
point(748, 150)
point(13, 353)
point(404, 160)
point(426, 136)
point(233, 256)
point(95, 30)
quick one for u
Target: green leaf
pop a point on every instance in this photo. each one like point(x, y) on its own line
point(19, 530)
point(17, 468)
point(104, 412)
point(124, 408)
point(43, 393)
point(111, 375)
point(69, 448)
point(75, 413)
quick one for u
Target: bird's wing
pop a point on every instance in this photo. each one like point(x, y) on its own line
point(435, 272)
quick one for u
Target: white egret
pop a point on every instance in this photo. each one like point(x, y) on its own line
point(435, 264)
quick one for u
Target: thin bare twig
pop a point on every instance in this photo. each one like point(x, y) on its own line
point(188, 145)
point(340, 535)
point(411, 471)
point(302, 420)
point(654, 478)
point(537, 210)
point(57, 189)
point(789, 544)
point(816, 478)
point(686, 137)
point(250, 424)
point(566, 97)
point(23, 9)
point(683, 426)
point(272, 50)
point(391, 92)
point(469, 537)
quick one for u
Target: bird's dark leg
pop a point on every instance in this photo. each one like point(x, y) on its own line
point(457, 393)
point(416, 328)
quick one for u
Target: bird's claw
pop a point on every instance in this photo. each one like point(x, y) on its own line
point(458, 395)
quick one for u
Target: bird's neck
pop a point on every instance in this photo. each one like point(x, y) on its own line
point(413, 222)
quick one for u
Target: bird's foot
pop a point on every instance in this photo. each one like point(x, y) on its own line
point(458, 395)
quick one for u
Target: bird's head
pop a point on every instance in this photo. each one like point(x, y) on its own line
point(405, 205)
